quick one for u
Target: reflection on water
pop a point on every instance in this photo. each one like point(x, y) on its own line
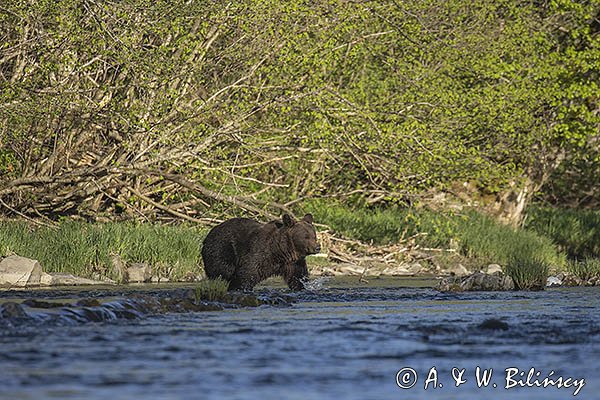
point(340, 341)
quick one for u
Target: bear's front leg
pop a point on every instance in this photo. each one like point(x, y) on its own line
point(243, 280)
point(296, 275)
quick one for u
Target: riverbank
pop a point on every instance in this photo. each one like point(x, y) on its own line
point(363, 242)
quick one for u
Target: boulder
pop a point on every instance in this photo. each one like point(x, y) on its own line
point(46, 279)
point(493, 268)
point(118, 268)
point(138, 273)
point(12, 310)
point(17, 271)
point(60, 279)
point(458, 270)
point(478, 281)
point(553, 281)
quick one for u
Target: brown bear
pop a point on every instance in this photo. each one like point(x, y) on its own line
point(245, 252)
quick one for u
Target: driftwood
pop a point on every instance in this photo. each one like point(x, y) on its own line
point(91, 192)
point(357, 252)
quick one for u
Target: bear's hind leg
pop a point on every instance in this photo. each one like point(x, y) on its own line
point(219, 261)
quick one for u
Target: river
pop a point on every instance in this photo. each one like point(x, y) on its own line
point(342, 340)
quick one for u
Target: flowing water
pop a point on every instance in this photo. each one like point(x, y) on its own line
point(342, 340)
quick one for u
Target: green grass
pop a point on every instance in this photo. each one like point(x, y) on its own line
point(527, 273)
point(174, 251)
point(576, 232)
point(211, 289)
point(482, 237)
point(382, 226)
point(585, 270)
point(84, 249)
point(475, 236)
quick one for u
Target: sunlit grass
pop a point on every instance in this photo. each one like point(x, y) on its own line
point(528, 273)
point(174, 251)
point(84, 249)
point(586, 269)
point(473, 235)
point(211, 289)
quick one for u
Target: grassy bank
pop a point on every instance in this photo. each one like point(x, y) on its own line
point(473, 235)
point(478, 240)
point(527, 254)
point(86, 249)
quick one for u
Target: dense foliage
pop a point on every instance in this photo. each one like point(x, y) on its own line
point(153, 108)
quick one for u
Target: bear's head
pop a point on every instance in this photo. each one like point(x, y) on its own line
point(302, 234)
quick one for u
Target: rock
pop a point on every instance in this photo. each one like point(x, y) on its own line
point(118, 268)
point(159, 279)
point(553, 281)
point(493, 324)
point(97, 277)
point(20, 272)
point(12, 310)
point(138, 273)
point(88, 302)
point(46, 279)
point(415, 269)
point(61, 279)
point(36, 303)
point(493, 268)
point(458, 270)
point(477, 282)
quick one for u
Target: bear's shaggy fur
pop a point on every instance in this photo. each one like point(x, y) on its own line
point(245, 252)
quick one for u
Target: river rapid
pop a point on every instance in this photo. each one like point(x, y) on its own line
point(386, 339)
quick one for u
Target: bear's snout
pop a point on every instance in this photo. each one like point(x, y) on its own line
point(313, 249)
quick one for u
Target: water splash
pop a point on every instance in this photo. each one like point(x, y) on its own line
point(317, 283)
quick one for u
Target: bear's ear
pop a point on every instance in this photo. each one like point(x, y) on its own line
point(288, 220)
point(308, 218)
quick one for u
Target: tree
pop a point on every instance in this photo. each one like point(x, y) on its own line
point(193, 110)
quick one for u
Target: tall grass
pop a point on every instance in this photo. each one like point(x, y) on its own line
point(586, 269)
point(482, 237)
point(382, 225)
point(474, 235)
point(528, 273)
point(211, 289)
point(83, 248)
point(577, 232)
